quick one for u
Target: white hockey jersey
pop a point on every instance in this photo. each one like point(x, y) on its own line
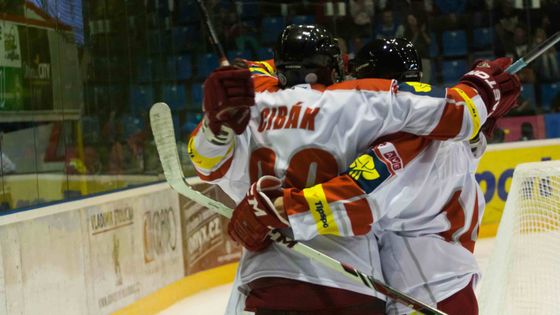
point(308, 134)
point(424, 204)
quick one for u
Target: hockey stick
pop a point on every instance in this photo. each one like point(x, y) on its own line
point(218, 48)
point(164, 135)
point(534, 53)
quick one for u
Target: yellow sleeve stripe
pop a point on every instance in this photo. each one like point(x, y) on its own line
point(258, 70)
point(262, 67)
point(203, 162)
point(473, 111)
point(268, 67)
point(321, 211)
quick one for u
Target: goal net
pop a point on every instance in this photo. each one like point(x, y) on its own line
point(523, 274)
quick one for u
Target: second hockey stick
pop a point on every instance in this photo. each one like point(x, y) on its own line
point(534, 54)
point(164, 135)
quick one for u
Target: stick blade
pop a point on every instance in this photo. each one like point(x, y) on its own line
point(164, 136)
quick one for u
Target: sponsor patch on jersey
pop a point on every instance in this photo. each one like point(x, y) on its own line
point(419, 88)
point(321, 211)
point(369, 171)
point(390, 154)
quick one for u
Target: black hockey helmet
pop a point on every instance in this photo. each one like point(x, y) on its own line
point(388, 58)
point(307, 54)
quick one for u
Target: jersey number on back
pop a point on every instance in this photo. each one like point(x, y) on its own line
point(306, 167)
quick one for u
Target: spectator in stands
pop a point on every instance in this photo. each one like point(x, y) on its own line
point(395, 5)
point(546, 66)
point(525, 107)
point(451, 6)
point(527, 132)
point(417, 33)
point(241, 35)
point(7, 166)
point(498, 136)
point(362, 12)
point(388, 27)
point(507, 21)
point(520, 42)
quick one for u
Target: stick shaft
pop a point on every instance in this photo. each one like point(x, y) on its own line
point(214, 40)
point(534, 53)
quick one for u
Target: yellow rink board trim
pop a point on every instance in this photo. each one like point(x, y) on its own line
point(488, 230)
point(171, 294)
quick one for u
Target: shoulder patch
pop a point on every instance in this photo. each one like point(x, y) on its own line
point(419, 88)
point(369, 171)
point(262, 68)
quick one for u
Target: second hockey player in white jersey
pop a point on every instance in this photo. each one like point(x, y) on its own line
point(422, 194)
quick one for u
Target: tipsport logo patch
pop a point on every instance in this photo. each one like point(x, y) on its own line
point(369, 171)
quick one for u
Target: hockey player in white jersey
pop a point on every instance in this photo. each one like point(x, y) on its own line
point(306, 133)
point(421, 194)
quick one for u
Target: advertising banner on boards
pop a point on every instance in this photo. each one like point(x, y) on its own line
point(495, 172)
point(158, 233)
point(206, 243)
point(113, 255)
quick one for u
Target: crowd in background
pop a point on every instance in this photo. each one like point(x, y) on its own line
point(449, 35)
point(136, 52)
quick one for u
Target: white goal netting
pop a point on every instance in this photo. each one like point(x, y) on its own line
point(523, 274)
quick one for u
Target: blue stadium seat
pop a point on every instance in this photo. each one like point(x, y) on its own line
point(248, 10)
point(131, 125)
point(303, 19)
point(187, 11)
point(434, 48)
point(206, 63)
point(155, 41)
point(141, 98)
point(549, 91)
point(243, 54)
point(452, 70)
point(196, 93)
point(483, 38)
point(552, 125)
point(183, 67)
point(175, 96)
point(161, 71)
point(265, 53)
point(271, 27)
point(454, 43)
point(528, 93)
point(185, 37)
point(192, 120)
point(144, 70)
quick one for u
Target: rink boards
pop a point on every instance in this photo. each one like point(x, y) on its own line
point(100, 254)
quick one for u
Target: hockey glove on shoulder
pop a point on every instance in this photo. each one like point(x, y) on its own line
point(256, 215)
point(228, 97)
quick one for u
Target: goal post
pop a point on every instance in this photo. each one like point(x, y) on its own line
point(523, 274)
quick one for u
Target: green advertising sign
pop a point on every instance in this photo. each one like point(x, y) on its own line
point(11, 73)
point(11, 88)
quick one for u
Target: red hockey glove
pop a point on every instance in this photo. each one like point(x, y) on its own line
point(228, 96)
point(499, 90)
point(256, 215)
